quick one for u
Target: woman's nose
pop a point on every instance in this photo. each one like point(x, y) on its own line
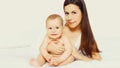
point(69, 17)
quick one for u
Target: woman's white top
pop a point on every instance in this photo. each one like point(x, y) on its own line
point(77, 44)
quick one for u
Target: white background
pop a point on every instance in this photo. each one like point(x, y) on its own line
point(22, 22)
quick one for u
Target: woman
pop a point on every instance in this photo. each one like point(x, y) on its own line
point(78, 31)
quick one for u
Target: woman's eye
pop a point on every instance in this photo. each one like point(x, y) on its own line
point(57, 27)
point(74, 12)
point(66, 13)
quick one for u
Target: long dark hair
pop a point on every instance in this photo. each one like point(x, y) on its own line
point(88, 44)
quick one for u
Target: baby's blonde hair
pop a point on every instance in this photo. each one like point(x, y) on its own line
point(54, 16)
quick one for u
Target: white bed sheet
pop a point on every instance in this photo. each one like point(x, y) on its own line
point(16, 57)
point(19, 57)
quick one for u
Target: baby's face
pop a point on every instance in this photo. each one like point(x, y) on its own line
point(54, 28)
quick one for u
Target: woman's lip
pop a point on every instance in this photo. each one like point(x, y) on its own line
point(70, 22)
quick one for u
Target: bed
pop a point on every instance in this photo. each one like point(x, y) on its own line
point(18, 57)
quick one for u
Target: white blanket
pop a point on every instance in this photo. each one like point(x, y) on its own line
point(19, 57)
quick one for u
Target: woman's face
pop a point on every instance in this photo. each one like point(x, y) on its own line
point(73, 15)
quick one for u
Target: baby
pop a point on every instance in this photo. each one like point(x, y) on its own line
point(54, 36)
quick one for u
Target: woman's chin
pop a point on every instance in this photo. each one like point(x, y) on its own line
point(72, 27)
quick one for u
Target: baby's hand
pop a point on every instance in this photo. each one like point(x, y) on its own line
point(48, 58)
point(54, 61)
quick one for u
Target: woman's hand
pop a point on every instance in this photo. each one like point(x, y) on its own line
point(55, 49)
point(96, 56)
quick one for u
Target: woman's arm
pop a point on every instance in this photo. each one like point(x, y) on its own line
point(55, 49)
point(65, 55)
point(80, 56)
point(76, 54)
point(96, 56)
point(68, 49)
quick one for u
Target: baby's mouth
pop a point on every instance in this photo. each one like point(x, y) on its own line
point(53, 34)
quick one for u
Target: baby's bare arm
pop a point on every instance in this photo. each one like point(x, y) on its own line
point(43, 49)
